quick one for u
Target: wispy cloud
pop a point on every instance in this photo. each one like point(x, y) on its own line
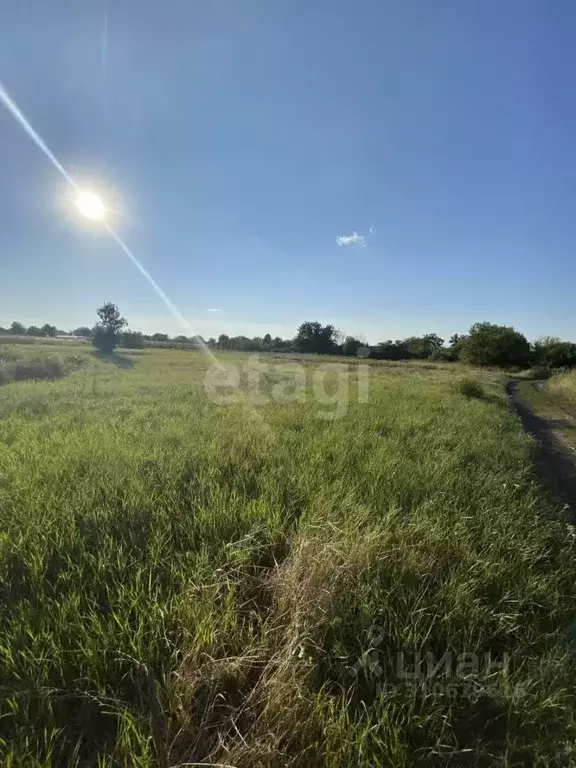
point(215, 309)
point(353, 239)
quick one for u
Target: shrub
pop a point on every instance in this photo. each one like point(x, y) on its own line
point(470, 387)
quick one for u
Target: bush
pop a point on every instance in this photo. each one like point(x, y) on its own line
point(470, 387)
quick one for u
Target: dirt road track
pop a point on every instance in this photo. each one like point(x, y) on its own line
point(556, 457)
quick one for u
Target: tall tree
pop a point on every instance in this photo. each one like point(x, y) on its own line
point(49, 330)
point(351, 346)
point(314, 338)
point(498, 345)
point(223, 341)
point(107, 331)
point(17, 328)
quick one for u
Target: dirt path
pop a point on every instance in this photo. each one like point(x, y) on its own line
point(556, 457)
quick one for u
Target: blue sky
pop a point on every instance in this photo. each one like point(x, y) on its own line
point(239, 140)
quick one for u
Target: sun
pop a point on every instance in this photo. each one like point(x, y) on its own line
point(90, 206)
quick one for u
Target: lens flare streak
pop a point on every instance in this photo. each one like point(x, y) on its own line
point(13, 108)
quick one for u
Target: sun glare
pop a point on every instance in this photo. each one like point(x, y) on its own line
point(90, 206)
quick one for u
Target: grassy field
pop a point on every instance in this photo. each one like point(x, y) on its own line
point(555, 401)
point(191, 583)
point(564, 387)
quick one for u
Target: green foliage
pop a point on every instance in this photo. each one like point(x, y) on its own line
point(412, 348)
point(351, 346)
point(390, 350)
point(552, 352)
point(314, 338)
point(49, 330)
point(445, 354)
point(104, 340)
point(132, 340)
point(495, 345)
point(486, 345)
point(17, 329)
point(424, 347)
point(83, 330)
point(245, 344)
point(106, 334)
point(109, 318)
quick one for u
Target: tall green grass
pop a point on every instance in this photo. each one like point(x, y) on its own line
point(17, 364)
point(564, 386)
point(191, 583)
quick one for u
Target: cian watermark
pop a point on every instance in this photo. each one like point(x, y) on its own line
point(452, 673)
point(331, 387)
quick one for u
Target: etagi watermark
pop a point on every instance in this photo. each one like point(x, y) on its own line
point(452, 674)
point(257, 382)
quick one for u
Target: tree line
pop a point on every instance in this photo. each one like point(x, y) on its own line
point(485, 344)
point(47, 330)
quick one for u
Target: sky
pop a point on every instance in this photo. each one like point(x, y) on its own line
point(390, 167)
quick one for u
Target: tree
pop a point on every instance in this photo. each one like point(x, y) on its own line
point(424, 347)
point(33, 330)
point(223, 341)
point(132, 340)
point(498, 345)
point(391, 350)
point(107, 331)
point(49, 330)
point(17, 329)
point(552, 352)
point(82, 330)
point(160, 337)
point(313, 338)
point(351, 346)
point(339, 337)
